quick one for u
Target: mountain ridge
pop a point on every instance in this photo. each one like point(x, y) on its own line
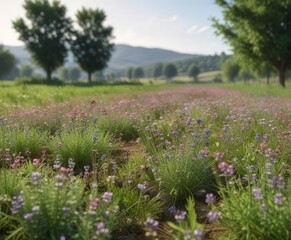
point(123, 56)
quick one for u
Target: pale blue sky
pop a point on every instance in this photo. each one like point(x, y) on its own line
point(181, 25)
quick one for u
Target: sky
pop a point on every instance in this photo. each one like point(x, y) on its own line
point(179, 25)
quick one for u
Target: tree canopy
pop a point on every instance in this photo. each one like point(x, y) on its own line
point(138, 73)
point(45, 34)
point(7, 61)
point(193, 72)
point(157, 70)
point(91, 44)
point(170, 71)
point(259, 32)
point(26, 70)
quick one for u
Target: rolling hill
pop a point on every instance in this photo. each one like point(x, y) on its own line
point(122, 57)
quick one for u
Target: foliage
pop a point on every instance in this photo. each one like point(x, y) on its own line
point(138, 73)
point(91, 45)
point(187, 226)
point(258, 32)
point(170, 71)
point(26, 70)
point(193, 71)
point(85, 146)
point(7, 61)
point(230, 69)
point(64, 73)
point(74, 74)
point(129, 73)
point(157, 70)
point(46, 34)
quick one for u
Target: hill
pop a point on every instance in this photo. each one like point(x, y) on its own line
point(123, 56)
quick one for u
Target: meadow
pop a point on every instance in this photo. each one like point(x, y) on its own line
point(159, 161)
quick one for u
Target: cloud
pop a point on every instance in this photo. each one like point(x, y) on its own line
point(203, 29)
point(197, 29)
point(171, 19)
point(192, 29)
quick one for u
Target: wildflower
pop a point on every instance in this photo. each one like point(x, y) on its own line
point(198, 234)
point(222, 166)
point(180, 216)
point(111, 179)
point(66, 210)
point(266, 138)
point(62, 237)
point(263, 207)
point(101, 229)
point(229, 170)
point(28, 216)
point(258, 137)
point(151, 226)
point(213, 216)
point(141, 186)
point(204, 153)
point(35, 162)
point(35, 209)
point(206, 133)
point(35, 178)
point(71, 163)
point(95, 137)
point(219, 155)
point(59, 180)
point(257, 192)
point(86, 168)
point(94, 203)
point(17, 203)
point(107, 197)
point(279, 198)
point(278, 182)
point(172, 209)
point(57, 164)
point(210, 198)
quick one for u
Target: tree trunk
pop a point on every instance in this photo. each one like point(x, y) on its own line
point(268, 76)
point(89, 78)
point(282, 71)
point(48, 74)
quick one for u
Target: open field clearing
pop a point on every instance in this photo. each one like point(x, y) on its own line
point(190, 162)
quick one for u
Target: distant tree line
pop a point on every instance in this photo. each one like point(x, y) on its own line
point(48, 34)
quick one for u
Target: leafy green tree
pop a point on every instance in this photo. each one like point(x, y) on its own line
point(91, 44)
point(26, 70)
point(193, 72)
point(245, 75)
point(46, 34)
point(64, 73)
point(138, 73)
point(157, 70)
point(7, 62)
point(230, 69)
point(170, 71)
point(129, 73)
point(259, 32)
point(75, 74)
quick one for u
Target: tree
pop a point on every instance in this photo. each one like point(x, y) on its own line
point(138, 73)
point(193, 71)
point(75, 74)
point(170, 71)
point(258, 31)
point(129, 73)
point(230, 69)
point(26, 70)
point(7, 61)
point(64, 73)
point(91, 45)
point(157, 70)
point(46, 34)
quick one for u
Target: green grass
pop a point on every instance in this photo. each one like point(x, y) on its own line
point(259, 89)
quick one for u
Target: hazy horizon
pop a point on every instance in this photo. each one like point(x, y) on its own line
point(183, 26)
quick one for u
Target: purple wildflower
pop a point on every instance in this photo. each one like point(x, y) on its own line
point(279, 198)
point(107, 197)
point(151, 226)
point(257, 192)
point(101, 229)
point(17, 203)
point(210, 198)
point(180, 216)
point(213, 216)
point(35, 178)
